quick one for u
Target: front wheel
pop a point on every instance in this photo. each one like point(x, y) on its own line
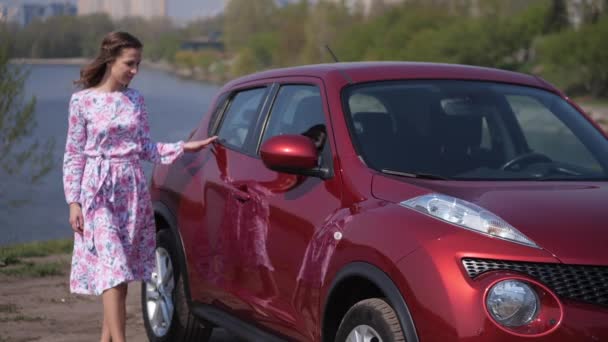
point(370, 320)
point(166, 314)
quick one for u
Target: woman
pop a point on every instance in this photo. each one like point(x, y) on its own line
point(110, 209)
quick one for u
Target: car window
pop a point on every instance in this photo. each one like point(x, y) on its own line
point(473, 130)
point(546, 134)
point(215, 115)
point(240, 117)
point(298, 110)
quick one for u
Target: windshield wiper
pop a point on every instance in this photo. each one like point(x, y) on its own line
point(413, 174)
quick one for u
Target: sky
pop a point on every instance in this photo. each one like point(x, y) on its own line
point(179, 10)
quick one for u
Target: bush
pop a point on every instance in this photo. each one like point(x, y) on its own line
point(577, 61)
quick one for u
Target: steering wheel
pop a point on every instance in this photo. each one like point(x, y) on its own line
point(525, 158)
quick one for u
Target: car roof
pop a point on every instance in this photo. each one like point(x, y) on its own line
point(360, 72)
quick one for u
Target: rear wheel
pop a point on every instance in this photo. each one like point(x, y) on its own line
point(166, 314)
point(370, 320)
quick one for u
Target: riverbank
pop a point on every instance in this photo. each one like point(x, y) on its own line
point(185, 73)
point(50, 61)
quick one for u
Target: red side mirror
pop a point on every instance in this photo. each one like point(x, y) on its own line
point(289, 152)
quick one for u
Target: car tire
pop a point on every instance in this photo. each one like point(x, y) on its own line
point(370, 320)
point(166, 296)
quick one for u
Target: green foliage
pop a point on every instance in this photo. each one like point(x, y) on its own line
point(31, 269)
point(92, 28)
point(326, 21)
point(205, 27)
point(22, 156)
point(287, 42)
point(244, 19)
point(35, 249)
point(577, 60)
point(20, 259)
point(160, 40)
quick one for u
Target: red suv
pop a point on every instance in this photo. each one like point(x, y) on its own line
point(385, 202)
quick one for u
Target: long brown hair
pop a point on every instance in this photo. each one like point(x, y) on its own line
point(111, 47)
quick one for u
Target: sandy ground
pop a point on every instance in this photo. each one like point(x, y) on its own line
point(42, 309)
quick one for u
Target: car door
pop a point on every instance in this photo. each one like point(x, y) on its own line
point(209, 232)
point(281, 215)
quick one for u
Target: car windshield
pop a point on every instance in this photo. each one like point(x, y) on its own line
point(472, 130)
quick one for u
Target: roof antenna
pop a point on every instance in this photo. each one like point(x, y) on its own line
point(332, 53)
point(344, 74)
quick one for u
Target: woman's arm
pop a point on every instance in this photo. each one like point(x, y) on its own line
point(163, 153)
point(74, 159)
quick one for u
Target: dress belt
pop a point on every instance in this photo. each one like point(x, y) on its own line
point(103, 162)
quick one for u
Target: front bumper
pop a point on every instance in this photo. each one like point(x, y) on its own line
point(448, 303)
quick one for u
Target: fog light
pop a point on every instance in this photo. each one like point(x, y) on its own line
point(512, 303)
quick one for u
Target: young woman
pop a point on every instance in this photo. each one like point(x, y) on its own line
point(110, 209)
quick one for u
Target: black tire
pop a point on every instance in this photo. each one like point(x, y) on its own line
point(374, 313)
point(184, 327)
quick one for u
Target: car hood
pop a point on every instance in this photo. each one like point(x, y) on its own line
point(569, 220)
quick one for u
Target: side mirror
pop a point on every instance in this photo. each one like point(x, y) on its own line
point(294, 154)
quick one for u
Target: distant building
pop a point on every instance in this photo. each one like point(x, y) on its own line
point(4, 13)
point(61, 8)
point(32, 12)
point(118, 9)
point(10, 13)
point(27, 13)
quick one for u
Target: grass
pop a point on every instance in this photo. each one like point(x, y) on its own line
point(13, 254)
point(14, 315)
point(30, 269)
point(21, 318)
point(8, 308)
point(15, 260)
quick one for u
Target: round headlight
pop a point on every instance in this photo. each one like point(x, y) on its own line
point(512, 303)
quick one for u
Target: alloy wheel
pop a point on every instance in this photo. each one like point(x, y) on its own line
point(363, 333)
point(159, 294)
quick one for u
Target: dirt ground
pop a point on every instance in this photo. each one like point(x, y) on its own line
point(42, 309)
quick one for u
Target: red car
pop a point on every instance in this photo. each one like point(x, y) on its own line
point(385, 202)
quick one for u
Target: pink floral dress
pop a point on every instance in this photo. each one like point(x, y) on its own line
point(108, 136)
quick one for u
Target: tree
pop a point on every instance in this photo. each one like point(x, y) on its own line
point(246, 18)
point(577, 60)
point(326, 21)
point(21, 156)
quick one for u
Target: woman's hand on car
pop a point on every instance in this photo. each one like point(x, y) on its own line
point(197, 145)
point(76, 219)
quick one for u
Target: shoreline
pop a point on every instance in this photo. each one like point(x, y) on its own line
point(80, 61)
point(51, 61)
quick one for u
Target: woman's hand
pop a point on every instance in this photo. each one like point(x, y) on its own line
point(76, 219)
point(197, 145)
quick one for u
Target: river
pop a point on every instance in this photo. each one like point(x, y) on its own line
point(175, 107)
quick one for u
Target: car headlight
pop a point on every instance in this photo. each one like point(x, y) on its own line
point(512, 303)
point(466, 215)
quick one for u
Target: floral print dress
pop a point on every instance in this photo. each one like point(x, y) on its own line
point(108, 136)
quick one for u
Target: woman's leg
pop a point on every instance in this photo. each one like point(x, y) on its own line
point(114, 311)
point(105, 332)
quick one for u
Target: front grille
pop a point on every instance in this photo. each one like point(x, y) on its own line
point(587, 284)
